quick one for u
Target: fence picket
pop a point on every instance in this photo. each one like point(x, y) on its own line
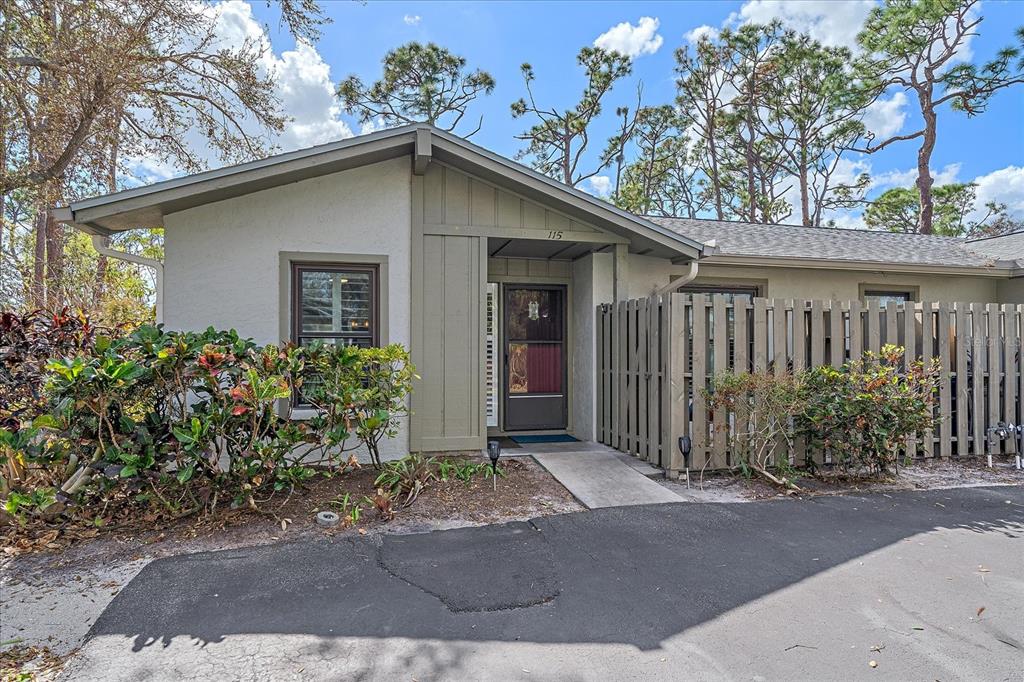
point(946, 365)
point(679, 393)
point(642, 378)
point(927, 354)
point(699, 380)
point(1010, 352)
point(909, 349)
point(856, 331)
point(720, 359)
point(977, 369)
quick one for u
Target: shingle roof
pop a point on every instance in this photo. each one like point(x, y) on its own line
point(791, 241)
point(1005, 247)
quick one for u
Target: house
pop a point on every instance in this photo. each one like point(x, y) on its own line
point(488, 271)
point(786, 261)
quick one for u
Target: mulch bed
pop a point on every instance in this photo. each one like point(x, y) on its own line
point(525, 490)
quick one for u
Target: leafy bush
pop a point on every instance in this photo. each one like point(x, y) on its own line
point(27, 342)
point(408, 476)
point(864, 412)
point(183, 420)
point(861, 413)
point(769, 402)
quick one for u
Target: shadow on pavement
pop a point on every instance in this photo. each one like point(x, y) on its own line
point(633, 575)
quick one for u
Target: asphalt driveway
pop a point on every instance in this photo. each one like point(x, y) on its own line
point(784, 590)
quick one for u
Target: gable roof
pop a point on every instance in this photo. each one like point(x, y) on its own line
point(146, 206)
point(1004, 247)
point(736, 241)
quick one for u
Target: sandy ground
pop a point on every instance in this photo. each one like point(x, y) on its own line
point(922, 475)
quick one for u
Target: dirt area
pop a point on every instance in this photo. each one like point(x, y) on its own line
point(54, 583)
point(921, 475)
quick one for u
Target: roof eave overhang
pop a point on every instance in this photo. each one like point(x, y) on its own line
point(997, 270)
point(146, 207)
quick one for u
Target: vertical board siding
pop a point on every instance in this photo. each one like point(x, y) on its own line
point(450, 402)
point(657, 356)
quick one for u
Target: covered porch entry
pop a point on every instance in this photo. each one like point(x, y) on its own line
point(507, 270)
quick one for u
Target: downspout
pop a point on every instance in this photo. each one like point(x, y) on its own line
point(676, 283)
point(158, 268)
point(709, 249)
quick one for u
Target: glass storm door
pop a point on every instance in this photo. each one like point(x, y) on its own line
point(534, 371)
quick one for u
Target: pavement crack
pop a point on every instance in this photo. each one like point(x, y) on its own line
point(453, 607)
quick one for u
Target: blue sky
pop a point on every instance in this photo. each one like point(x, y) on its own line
point(499, 36)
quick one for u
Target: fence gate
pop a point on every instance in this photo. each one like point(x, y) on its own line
point(656, 356)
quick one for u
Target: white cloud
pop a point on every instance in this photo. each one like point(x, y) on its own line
point(1003, 186)
point(885, 117)
point(372, 126)
point(693, 37)
point(598, 185)
point(303, 80)
point(303, 86)
point(907, 178)
point(306, 91)
point(630, 40)
point(412, 19)
point(832, 22)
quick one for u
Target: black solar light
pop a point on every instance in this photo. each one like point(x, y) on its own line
point(684, 448)
point(494, 452)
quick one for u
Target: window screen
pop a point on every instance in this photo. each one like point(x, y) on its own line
point(335, 304)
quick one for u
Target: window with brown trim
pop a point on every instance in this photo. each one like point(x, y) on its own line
point(335, 303)
point(884, 296)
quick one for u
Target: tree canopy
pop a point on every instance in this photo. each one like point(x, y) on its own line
point(421, 83)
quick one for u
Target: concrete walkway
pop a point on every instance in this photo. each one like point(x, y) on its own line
point(598, 476)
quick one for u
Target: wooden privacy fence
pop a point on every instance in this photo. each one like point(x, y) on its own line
point(655, 355)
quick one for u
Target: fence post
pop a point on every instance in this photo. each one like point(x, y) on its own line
point(678, 393)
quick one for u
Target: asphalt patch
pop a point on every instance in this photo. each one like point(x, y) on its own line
point(510, 566)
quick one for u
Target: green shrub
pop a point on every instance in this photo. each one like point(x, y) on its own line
point(769, 403)
point(183, 420)
point(861, 413)
point(865, 411)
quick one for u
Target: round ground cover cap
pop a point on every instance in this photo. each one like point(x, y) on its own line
point(327, 518)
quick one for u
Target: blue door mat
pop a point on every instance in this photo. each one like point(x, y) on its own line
point(556, 438)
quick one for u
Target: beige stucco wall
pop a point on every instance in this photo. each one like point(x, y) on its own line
point(1012, 290)
point(591, 286)
point(223, 260)
point(845, 285)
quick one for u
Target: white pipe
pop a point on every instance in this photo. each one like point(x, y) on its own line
point(102, 248)
point(676, 283)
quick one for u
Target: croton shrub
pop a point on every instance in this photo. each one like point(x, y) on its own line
point(861, 413)
point(187, 420)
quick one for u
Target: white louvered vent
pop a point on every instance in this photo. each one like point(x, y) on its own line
point(492, 354)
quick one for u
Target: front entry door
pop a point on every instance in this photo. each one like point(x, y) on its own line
point(535, 371)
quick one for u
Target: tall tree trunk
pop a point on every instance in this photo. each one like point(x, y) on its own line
point(101, 262)
point(805, 190)
point(751, 160)
point(716, 182)
point(54, 262)
point(924, 157)
point(39, 260)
